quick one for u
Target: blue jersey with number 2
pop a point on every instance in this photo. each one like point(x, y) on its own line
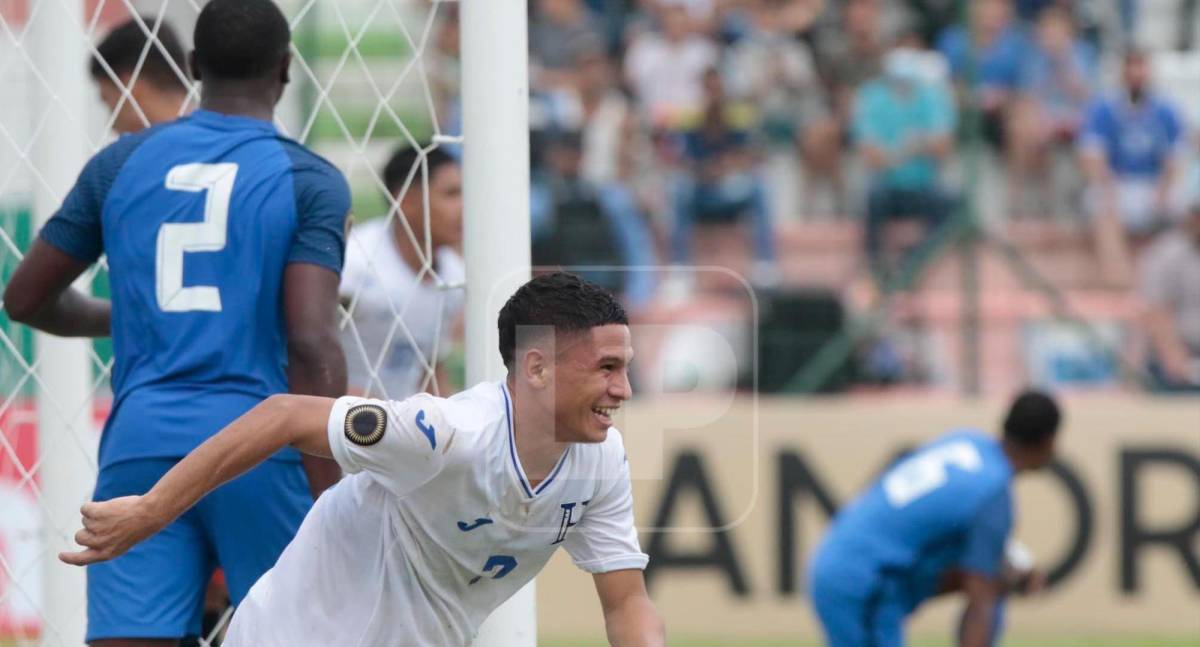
point(946, 506)
point(198, 219)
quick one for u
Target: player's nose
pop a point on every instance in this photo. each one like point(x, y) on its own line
point(619, 387)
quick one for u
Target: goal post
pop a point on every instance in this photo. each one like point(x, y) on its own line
point(495, 97)
point(363, 78)
point(59, 98)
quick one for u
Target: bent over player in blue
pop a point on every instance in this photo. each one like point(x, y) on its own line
point(224, 242)
point(937, 522)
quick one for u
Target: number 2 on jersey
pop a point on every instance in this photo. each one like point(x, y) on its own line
point(176, 238)
point(503, 562)
point(919, 475)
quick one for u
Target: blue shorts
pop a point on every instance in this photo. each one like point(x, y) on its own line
point(858, 622)
point(156, 590)
point(856, 606)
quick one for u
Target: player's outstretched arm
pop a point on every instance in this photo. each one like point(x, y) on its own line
point(40, 295)
point(112, 527)
point(630, 618)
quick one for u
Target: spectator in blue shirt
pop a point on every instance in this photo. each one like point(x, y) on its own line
point(903, 125)
point(1130, 147)
point(985, 62)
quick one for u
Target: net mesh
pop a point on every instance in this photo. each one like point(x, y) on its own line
point(368, 76)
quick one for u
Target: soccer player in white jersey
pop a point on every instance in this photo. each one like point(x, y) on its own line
point(450, 506)
point(408, 268)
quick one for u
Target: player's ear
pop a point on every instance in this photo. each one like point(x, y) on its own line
point(535, 368)
point(285, 69)
point(192, 65)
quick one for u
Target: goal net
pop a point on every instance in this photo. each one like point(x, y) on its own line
point(368, 79)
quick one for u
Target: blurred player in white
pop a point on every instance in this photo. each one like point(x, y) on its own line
point(401, 268)
point(451, 505)
point(158, 93)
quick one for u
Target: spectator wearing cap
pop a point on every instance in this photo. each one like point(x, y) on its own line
point(903, 126)
point(1170, 287)
point(1130, 148)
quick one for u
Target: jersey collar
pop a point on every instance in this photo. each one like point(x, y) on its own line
point(230, 122)
point(530, 492)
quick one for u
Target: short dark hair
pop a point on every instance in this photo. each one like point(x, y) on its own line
point(1032, 418)
point(398, 167)
point(240, 39)
point(122, 48)
point(562, 300)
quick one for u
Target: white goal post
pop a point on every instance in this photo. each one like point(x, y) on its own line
point(496, 218)
point(66, 436)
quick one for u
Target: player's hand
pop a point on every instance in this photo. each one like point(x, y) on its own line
point(1033, 583)
point(110, 528)
point(1021, 575)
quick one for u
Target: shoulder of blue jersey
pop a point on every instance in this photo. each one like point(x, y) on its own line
point(303, 157)
point(107, 163)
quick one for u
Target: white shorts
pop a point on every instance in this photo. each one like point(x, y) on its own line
point(1136, 205)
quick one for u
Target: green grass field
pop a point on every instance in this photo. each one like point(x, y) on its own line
point(1093, 641)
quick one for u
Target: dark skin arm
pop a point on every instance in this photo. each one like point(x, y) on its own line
point(316, 364)
point(950, 582)
point(40, 295)
point(978, 617)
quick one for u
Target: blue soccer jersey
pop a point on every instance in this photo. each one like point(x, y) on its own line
point(946, 506)
point(198, 218)
point(1137, 140)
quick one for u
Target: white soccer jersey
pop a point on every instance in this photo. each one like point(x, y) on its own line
point(381, 286)
point(435, 526)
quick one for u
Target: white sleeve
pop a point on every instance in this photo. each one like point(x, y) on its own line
point(355, 269)
point(400, 444)
point(606, 539)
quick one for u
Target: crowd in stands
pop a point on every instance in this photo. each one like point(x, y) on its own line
point(680, 132)
point(659, 128)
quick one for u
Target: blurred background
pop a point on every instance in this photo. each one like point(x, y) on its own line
point(840, 228)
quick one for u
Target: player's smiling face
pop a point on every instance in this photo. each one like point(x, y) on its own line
point(591, 381)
